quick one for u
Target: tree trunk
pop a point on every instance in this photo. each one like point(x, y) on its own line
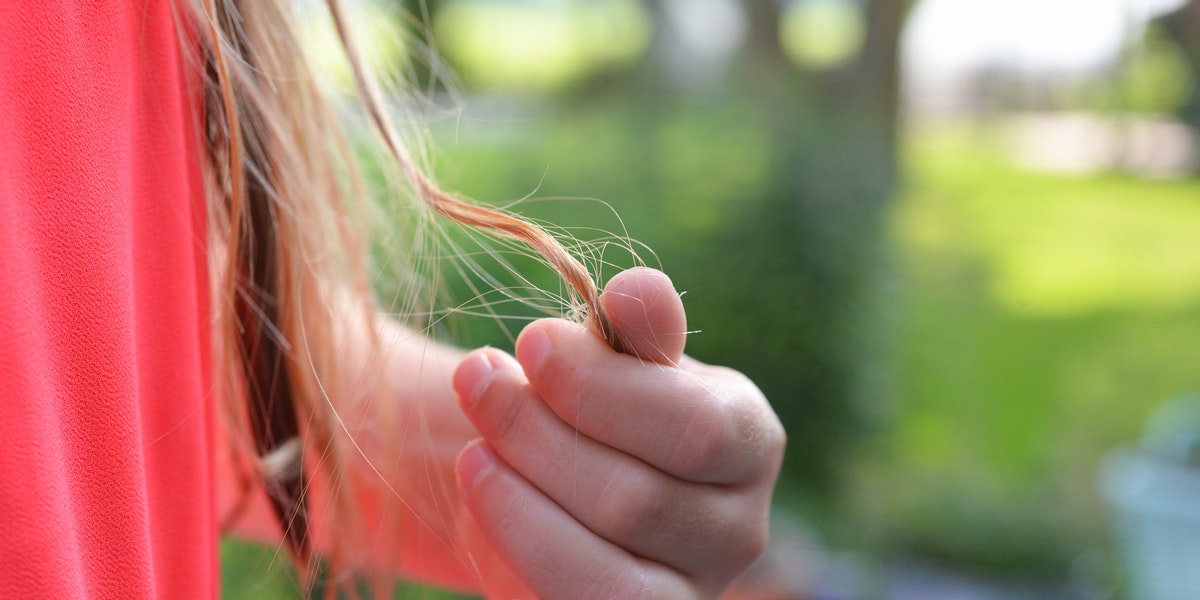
point(819, 238)
point(877, 72)
point(1183, 27)
point(762, 40)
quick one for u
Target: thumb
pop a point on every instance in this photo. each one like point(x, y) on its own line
point(646, 314)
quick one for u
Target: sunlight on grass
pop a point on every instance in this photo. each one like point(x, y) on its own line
point(821, 34)
point(380, 37)
point(539, 46)
point(1056, 245)
point(1040, 318)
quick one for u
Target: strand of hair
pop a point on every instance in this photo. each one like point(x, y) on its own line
point(495, 222)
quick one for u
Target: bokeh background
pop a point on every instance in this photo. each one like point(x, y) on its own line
point(957, 243)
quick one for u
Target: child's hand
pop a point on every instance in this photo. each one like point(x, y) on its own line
point(605, 475)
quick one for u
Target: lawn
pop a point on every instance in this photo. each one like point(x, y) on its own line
point(1038, 319)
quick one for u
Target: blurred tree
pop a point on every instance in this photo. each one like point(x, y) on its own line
point(1183, 27)
point(794, 276)
point(692, 44)
point(834, 170)
point(420, 8)
point(667, 47)
point(424, 70)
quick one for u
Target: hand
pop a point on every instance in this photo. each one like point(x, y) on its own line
point(606, 475)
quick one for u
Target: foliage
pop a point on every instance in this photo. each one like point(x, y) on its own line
point(822, 34)
point(539, 47)
point(250, 571)
point(1156, 78)
point(1040, 319)
point(255, 572)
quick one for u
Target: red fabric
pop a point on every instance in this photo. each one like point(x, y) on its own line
point(106, 483)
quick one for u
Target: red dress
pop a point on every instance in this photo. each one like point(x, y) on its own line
point(106, 475)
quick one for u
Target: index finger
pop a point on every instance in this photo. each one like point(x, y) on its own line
point(703, 429)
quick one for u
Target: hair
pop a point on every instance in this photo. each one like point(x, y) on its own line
point(289, 216)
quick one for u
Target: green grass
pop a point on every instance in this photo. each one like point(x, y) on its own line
point(255, 572)
point(250, 571)
point(1040, 318)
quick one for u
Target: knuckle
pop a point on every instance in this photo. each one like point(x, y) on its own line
point(508, 516)
point(754, 526)
point(556, 374)
point(764, 438)
point(631, 582)
point(737, 539)
point(630, 506)
point(511, 417)
point(744, 442)
point(707, 439)
point(777, 440)
point(750, 545)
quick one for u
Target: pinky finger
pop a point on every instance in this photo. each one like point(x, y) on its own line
point(552, 553)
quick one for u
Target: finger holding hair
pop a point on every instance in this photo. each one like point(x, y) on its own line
point(698, 423)
point(621, 498)
point(662, 466)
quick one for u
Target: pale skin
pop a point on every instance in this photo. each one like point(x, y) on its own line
point(579, 472)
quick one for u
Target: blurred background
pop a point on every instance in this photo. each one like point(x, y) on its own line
point(956, 243)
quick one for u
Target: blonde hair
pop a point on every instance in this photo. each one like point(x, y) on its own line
point(288, 222)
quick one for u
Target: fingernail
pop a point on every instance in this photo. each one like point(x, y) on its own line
point(475, 461)
point(535, 344)
point(472, 378)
